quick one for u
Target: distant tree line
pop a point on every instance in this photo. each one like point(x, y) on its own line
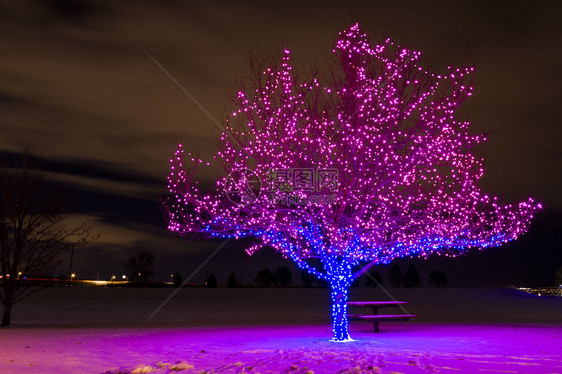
point(264, 278)
point(411, 278)
point(282, 277)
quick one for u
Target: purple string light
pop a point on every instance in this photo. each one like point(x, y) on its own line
point(407, 167)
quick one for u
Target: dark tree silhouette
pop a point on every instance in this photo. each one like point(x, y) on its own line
point(34, 230)
point(365, 162)
point(264, 278)
point(395, 276)
point(411, 277)
point(323, 283)
point(140, 267)
point(211, 281)
point(307, 279)
point(178, 281)
point(373, 275)
point(283, 276)
point(438, 279)
point(232, 281)
point(558, 277)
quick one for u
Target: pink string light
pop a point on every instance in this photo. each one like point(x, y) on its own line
point(407, 167)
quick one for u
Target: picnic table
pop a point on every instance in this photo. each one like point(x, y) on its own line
point(375, 317)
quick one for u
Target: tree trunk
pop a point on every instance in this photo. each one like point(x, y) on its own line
point(7, 316)
point(340, 279)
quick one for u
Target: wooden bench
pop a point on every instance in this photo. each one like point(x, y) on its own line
point(375, 318)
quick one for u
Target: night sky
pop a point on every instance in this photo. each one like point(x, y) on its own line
point(78, 89)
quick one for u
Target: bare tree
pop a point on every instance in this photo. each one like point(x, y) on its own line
point(211, 281)
point(232, 281)
point(558, 277)
point(140, 266)
point(411, 277)
point(283, 276)
point(395, 276)
point(264, 278)
point(438, 279)
point(34, 231)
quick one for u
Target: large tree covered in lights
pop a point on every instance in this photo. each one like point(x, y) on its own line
point(359, 165)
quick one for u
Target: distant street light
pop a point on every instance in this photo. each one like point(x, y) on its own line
point(70, 267)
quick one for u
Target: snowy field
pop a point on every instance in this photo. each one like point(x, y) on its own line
point(99, 330)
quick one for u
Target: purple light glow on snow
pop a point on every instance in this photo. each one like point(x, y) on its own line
point(410, 348)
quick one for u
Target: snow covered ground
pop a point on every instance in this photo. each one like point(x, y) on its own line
point(70, 330)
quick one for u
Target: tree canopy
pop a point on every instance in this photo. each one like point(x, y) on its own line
point(360, 163)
